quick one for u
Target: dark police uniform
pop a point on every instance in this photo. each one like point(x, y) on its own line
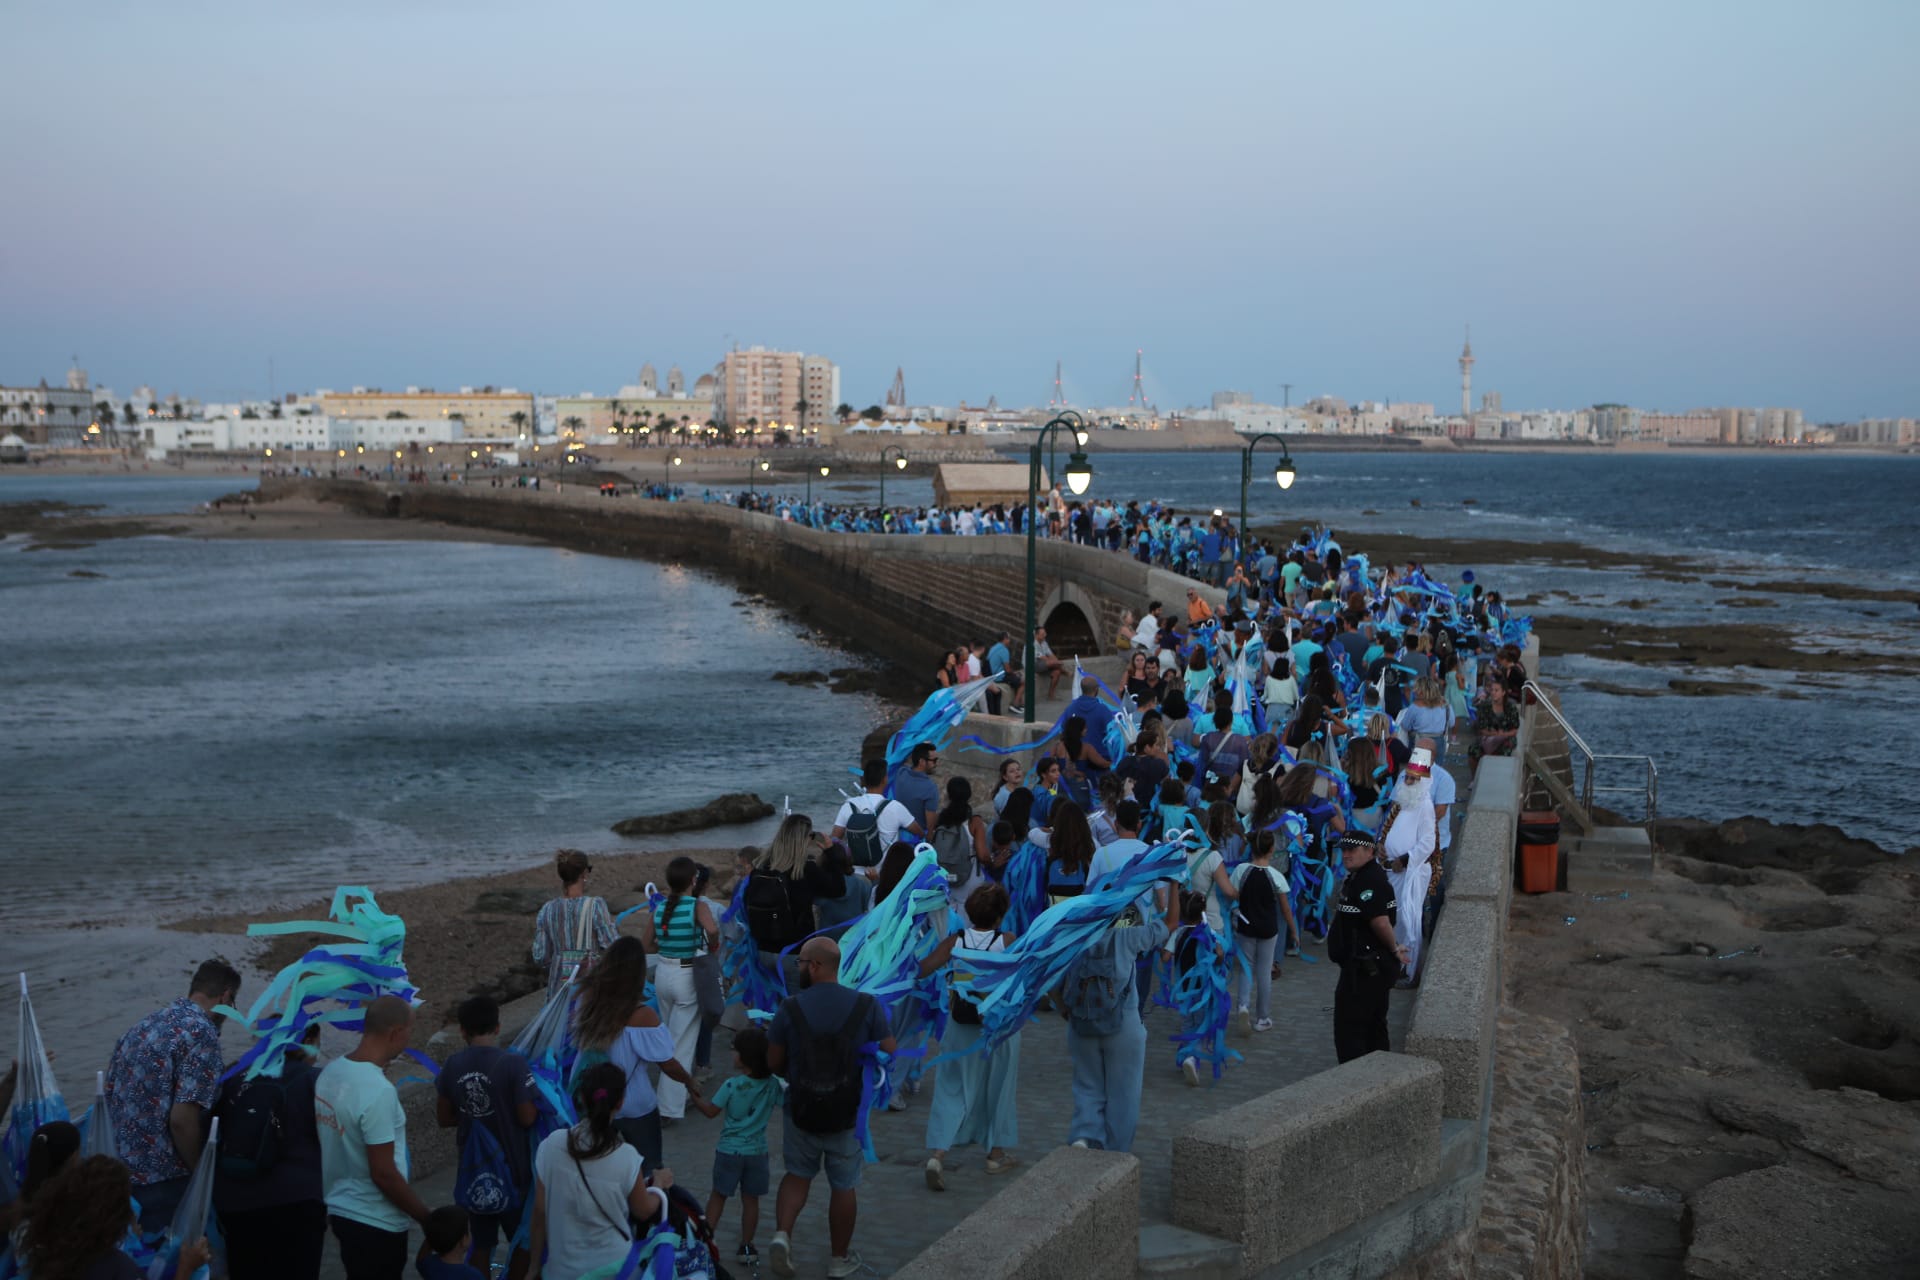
point(1368, 968)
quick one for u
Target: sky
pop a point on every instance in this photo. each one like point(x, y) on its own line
point(1665, 205)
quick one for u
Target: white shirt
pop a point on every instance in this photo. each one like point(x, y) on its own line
point(972, 665)
point(585, 1201)
point(893, 817)
point(354, 1107)
point(1146, 633)
point(1444, 789)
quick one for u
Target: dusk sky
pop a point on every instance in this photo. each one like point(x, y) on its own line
point(1670, 205)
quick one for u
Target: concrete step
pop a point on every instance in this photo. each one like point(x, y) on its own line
point(1608, 856)
point(1170, 1251)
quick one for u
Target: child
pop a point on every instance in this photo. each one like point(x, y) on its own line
point(1189, 789)
point(740, 1156)
point(444, 1256)
point(1259, 910)
point(1173, 807)
point(1001, 848)
point(1181, 950)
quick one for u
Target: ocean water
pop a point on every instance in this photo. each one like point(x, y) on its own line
point(221, 723)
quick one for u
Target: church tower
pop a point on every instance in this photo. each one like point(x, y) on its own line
point(1466, 376)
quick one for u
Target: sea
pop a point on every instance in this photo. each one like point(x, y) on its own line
point(243, 725)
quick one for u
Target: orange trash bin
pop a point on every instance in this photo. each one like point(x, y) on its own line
point(1539, 851)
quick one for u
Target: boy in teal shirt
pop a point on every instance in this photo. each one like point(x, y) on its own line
point(747, 1101)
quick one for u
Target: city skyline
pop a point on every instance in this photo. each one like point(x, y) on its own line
point(1663, 208)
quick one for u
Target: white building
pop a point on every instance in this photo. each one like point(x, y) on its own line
point(300, 433)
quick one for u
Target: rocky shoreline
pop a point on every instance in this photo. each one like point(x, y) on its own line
point(1748, 1024)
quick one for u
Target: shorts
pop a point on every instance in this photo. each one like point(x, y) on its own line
point(805, 1152)
point(489, 1228)
point(746, 1175)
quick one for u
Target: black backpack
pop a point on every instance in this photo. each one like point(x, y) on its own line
point(253, 1127)
point(771, 918)
point(1258, 909)
point(824, 1073)
point(863, 832)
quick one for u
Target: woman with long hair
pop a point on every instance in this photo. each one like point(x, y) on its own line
point(1262, 757)
point(1197, 676)
point(1019, 813)
point(947, 674)
point(680, 933)
point(1497, 725)
point(1070, 849)
point(590, 1188)
point(959, 839)
point(76, 1223)
point(1136, 681)
point(894, 866)
point(1013, 776)
point(1225, 833)
point(1320, 681)
point(612, 1025)
point(974, 1094)
point(1428, 716)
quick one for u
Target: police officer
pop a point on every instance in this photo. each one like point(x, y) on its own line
point(1361, 942)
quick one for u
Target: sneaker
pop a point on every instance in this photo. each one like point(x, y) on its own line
point(1002, 1163)
point(913, 1087)
point(748, 1254)
point(1293, 948)
point(780, 1254)
point(936, 1174)
point(840, 1268)
point(1190, 1069)
point(1265, 1024)
point(1243, 1021)
point(898, 1102)
point(1079, 1142)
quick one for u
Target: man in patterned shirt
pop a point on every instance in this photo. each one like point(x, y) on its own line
point(161, 1082)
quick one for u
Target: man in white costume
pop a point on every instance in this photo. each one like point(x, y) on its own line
point(1408, 852)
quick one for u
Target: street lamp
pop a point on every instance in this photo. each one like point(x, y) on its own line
point(667, 471)
point(764, 467)
point(825, 470)
point(899, 462)
point(1079, 476)
point(1283, 474)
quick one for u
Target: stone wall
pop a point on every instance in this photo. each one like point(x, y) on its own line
point(1533, 1214)
point(909, 597)
point(1074, 1214)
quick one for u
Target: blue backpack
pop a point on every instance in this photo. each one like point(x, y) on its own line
point(485, 1183)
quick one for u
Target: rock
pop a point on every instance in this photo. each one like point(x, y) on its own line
point(854, 680)
point(1782, 1221)
point(800, 677)
point(1469, 502)
point(511, 902)
point(1369, 512)
point(84, 573)
point(1714, 688)
point(1414, 502)
point(722, 811)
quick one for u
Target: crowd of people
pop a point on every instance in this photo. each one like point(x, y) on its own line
point(1265, 773)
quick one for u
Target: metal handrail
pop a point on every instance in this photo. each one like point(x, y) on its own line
point(1648, 790)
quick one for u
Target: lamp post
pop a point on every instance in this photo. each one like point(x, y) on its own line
point(764, 466)
point(899, 462)
point(1079, 476)
point(825, 470)
point(666, 471)
point(1283, 474)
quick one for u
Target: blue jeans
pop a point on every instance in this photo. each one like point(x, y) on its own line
point(1107, 1073)
point(158, 1200)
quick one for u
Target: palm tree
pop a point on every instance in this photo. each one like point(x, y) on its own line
point(686, 430)
point(572, 425)
point(800, 408)
point(104, 415)
point(273, 410)
point(753, 429)
point(519, 420)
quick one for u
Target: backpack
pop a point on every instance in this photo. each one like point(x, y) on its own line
point(1257, 913)
point(863, 832)
point(954, 846)
point(771, 918)
point(825, 1078)
point(253, 1127)
point(484, 1183)
point(1095, 1000)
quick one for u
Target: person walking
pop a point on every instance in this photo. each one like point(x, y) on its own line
point(162, 1080)
point(363, 1148)
point(573, 929)
point(1261, 907)
point(1362, 943)
point(76, 1227)
point(592, 1191)
point(272, 1211)
point(682, 932)
point(1408, 841)
point(488, 1094)
point(816, 1040)
point(611, 1024)
point(1105, 1037)
point(974, 1094)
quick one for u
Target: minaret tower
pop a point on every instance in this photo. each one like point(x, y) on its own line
point(1466, 376)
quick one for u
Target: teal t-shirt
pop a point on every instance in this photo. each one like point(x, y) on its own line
point(745, 1104)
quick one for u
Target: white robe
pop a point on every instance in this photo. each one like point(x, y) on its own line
point(1413, 836)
